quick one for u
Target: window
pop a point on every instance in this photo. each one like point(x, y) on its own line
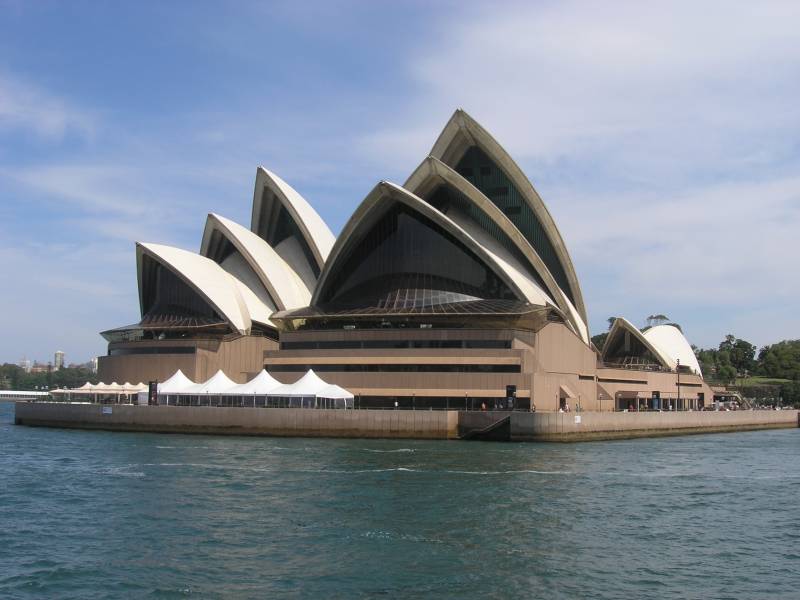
point(394, 344)
point(396, 368)
point(405, 260)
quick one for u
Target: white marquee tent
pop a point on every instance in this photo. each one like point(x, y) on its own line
point(175, 384)
point(261, 385)
point(310, 391)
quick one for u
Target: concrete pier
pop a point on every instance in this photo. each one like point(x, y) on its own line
point(398, 424)
point(588, 426)
point(285, 422)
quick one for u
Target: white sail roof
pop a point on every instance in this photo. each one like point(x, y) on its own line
point(489, 252)
point(673, 344)
point(287, 290)
point(463, 132)
point(432, 173)
point(315, 232)
point(206, 277)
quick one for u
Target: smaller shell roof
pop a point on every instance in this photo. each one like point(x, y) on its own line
point(205, 276)
point(674, 344)
point(621, 325)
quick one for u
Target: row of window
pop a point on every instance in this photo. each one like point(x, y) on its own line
point(395, 344)
point(389, 368)
point(611, 380)
point(152, 350)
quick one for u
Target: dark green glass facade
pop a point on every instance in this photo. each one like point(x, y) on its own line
point(446, 197)
point(481, 171)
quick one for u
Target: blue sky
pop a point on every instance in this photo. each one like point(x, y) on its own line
point(664, 138)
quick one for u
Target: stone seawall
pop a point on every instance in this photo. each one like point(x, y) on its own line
point(408, 424)
point(587, 426)
point(287, 422)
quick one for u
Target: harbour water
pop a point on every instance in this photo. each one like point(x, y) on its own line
point(91, 514)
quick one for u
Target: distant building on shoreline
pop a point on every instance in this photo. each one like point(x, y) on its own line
point(58, 360)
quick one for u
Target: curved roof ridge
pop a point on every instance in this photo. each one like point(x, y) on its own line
point(434, 169)
point(315, 231)
point(674, 343)
point(284, 286)
point(397, 193)
point(622, 324)
point(445, 149)
point(204, 276)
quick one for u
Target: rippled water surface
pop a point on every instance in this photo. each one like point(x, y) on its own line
point(115, 515)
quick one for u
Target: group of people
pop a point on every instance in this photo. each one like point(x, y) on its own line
point(499, 404)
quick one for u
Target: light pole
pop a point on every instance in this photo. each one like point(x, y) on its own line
point(678, 370)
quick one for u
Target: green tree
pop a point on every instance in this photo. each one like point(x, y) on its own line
point(781, 360)
point(599, 340)
point(740, 353)
point(726, 373)
point(790, 392)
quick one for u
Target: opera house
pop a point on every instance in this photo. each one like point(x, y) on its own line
point(453, 290)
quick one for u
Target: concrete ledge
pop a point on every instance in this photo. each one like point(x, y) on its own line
point(398, 424)
point(281, 422)
point(589, 426)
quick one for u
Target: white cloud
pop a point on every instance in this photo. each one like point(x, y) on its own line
point(26, 107)
point(627, 85)
point(662, 137)
point(734, 241)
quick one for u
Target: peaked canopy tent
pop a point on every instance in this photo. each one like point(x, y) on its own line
point(175, 384)
point(261, 385)
point(303, 392)
point(101, 392)
point(217, 384)
point(334, 396)
point(200, 394)
point(253, 393)
point(310, 391)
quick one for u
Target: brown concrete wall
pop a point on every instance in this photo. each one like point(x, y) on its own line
point(666, 383)
point(135, 368)
point(560, 359)
point(408, 383)
point(239, 357)
point(243, 421)
point(595, 425)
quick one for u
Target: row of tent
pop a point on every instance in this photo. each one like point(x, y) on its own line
point(103, 389)
point(309, 386)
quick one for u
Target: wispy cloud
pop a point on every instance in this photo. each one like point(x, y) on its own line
point(637, 88)
point(26, 107)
